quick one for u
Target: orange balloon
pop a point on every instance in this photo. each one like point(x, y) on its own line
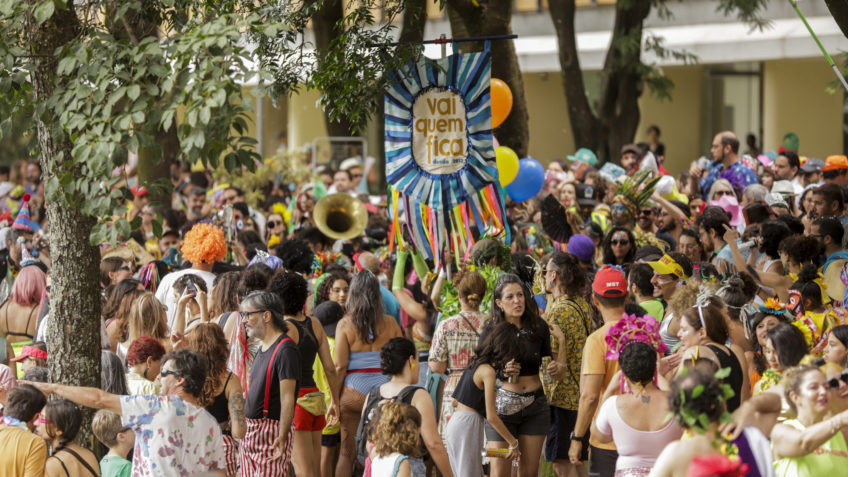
point(501, 101)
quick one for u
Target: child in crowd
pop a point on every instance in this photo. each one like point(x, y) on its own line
point(395, 433)
point(120, 440)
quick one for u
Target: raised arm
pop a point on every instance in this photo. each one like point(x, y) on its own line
point(88, 397)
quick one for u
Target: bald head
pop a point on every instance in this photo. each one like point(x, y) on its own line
point(368, 261)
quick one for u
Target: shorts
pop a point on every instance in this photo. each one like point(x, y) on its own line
point(533, 420)
point(303, 420)
point(331, 440)
point(559, 435)
point(602, 462)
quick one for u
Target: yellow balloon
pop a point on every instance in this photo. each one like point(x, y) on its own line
point(507, 161)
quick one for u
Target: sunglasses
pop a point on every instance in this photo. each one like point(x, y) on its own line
point(356, 176)
point(722, 193)
point(616, 243)
point(646, 212)
point(274, 223)
point(833, 383)
point(165, 373)
point(124, 269)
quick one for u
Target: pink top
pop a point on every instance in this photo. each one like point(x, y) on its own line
point(635, 448)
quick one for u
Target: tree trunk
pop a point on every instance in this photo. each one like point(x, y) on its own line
point(324, 26)
point(495, 18)
point(614, 123)
point(73, 332)
point(585, 126)
point(839, 11)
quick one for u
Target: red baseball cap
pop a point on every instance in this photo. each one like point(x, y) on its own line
point(30, 352)
point(610, 282)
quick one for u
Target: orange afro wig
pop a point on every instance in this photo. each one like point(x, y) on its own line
point(204, 243)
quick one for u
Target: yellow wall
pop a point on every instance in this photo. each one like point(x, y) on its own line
point(305, 118)
point(275, 121)
point(794, 99)
point(550, 129)
point(678, 119)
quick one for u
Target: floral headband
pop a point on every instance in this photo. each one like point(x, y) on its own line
point(630, 328)
point(773, 306)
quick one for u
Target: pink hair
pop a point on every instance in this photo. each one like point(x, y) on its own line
point(30, 286)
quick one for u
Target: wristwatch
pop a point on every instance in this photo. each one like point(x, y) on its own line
point(581, 439)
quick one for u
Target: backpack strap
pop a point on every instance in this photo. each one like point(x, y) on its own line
point(268, 376)
point(405, 395)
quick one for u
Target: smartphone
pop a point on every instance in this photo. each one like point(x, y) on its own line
point(192, 290)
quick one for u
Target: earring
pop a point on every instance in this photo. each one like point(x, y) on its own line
point(412, 366)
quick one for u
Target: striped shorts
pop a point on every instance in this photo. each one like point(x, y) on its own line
point(256, 450)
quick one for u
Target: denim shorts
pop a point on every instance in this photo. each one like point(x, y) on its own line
point(533, 420)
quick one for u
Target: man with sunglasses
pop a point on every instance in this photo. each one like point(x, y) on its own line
point(174, 434)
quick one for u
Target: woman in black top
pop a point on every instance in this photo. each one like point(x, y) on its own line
point(513, 303)
point(222, 394)
point(59, 425)
point(475, 399)
point(704, 333)
point(312, 342)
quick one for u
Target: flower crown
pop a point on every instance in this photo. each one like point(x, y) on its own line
point(643, 329)
point(773, 306)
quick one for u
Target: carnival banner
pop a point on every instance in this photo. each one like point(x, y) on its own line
point(440, 160)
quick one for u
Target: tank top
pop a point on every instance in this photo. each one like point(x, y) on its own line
point(727, 359)
point(308, 347)
point(468, 393)
point(219, 407)
point(668, 339)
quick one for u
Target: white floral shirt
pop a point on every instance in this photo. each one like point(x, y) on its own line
point(172, 437)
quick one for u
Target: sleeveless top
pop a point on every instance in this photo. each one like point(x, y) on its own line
point(829, 459)
point(468, 393)
point(75, 456)
point(219, 407)
point(727, 359)
point(670, 340)
point(388, 466)
point(308, 347)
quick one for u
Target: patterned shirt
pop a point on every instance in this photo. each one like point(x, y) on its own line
point(739, 175)
point(454, 343)
point(574, 318)
point(172, 437)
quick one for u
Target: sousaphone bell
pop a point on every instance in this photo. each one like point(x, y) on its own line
point(340, 216)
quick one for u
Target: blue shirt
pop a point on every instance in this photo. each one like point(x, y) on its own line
point(739, 175)
point(390, 304)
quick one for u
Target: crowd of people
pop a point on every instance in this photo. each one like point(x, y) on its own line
point(637, 324)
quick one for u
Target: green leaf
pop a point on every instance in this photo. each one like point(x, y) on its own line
point(696, 393)
point(722, 373)
point(44, 11)
point(133, 92)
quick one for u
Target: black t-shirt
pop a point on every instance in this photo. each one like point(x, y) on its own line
point(534, 346)
point(286, 366)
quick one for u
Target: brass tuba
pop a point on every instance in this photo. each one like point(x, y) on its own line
point(340, 216)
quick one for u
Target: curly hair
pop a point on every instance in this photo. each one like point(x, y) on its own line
point(144, 347)
point(396, 427)
point(254, 278)
point(709, 401)
point(772, 232)
point(209, 341)
point(204, 243)
point(327, 281)
point(296, 255)
point(570, 275)
point(181, 283)
point(224, 296)
point(638, 361)
point(810, 290)
point(292, 290)
point(394, 355)
point(802, 249)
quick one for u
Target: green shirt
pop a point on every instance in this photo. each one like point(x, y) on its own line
point(654, 307)
point(114, 466)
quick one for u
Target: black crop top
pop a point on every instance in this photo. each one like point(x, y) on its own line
point(468, 394)
point(534, 346)
point(308, 347)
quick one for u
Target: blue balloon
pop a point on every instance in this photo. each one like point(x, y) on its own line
point(528, 183)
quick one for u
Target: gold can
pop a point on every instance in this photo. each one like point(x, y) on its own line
point(495, 452)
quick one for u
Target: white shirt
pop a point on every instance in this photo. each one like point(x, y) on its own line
point(172, 437)
point(165, 291)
